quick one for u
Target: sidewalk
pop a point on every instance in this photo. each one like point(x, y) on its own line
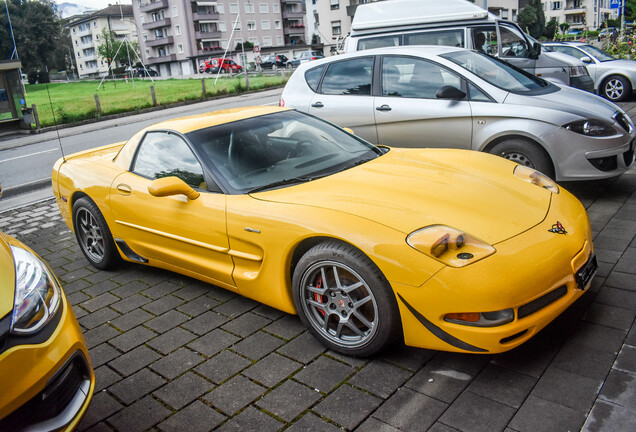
point(175, 354)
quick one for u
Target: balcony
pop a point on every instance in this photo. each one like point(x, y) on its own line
point(204, 2)
point(575, 10)
point(297, 30)
point(214, 35)
point(293, 14)
point(291, 1)
point(160, 42)
point(199, 16)
point(89, 57)
point(162, 59)
point(85, 32)
point(83, 45)
point(156, 24)
point(151, 7)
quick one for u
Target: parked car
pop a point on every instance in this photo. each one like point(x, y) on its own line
point(45, 371)
point(304, 57)
point(453, 97)
point(140, 71)
point(274, 62)
point(445, 249)
point(608, 31)
point(614, 79)
point(226, 65)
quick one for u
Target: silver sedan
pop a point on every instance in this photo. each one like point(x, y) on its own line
point(427, 96)
point(614, 79)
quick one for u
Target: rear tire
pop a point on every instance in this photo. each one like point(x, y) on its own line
point(93, 235)
point(525, 153)
point(616, 88)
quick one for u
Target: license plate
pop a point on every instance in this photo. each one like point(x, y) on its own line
point(586, 273)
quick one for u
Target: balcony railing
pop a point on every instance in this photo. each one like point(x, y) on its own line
point(85, 32)
point(161, 41)
point(294, 30)
point(156, 24)
point(162, 59)
point(89, 57)
point(293, 14)
point(207, 35)
point(157, 5)
point(198, 16)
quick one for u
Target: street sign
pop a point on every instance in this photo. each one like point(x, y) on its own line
point(615, 4)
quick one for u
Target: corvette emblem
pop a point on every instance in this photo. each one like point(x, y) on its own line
point(558, 228)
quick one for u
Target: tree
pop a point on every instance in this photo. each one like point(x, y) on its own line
point(37, 30)
point(532, 19)
point(111, 45)
point(550, 29)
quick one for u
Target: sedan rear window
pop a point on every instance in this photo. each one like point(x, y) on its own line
point(313, 77)
point(349, 77)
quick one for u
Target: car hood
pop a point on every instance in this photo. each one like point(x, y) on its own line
point(407, 189)
point(568, 100)
point(618, 64)
point(7, 277)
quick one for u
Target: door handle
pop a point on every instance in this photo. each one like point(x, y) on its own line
point(124, 189)
point(383, 108)
point(317, 105)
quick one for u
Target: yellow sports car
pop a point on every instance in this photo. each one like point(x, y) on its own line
point(46, 380)
point(448, 249)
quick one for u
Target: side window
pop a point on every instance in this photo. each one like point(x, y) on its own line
point(414, 78)
point(453, 37)
point(349, 77)
point(476, 95)
point(570, 51)
point(313, 76)
point(513, 44)
point(163, 155)
point(379, 42)
point(484, 39)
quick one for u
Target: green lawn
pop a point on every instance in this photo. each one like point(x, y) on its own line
point(75, 101)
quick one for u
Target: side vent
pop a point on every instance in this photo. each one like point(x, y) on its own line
point(131, 254)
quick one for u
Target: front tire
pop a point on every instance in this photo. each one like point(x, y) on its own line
point(525, 153)
point(93, 235)
point(345, 300)
point(616, 88)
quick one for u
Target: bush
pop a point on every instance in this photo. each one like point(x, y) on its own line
point(43, 77)
point(32, 77)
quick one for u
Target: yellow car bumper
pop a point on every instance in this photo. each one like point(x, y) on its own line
point(522, 280)
point(46, 384)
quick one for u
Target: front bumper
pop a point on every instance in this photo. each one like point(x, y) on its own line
point(584, 82)
point(51, 382)
point(534, 274)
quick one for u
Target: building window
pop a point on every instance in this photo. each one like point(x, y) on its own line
point(556, 5)
point(224, 43)
point(265, 25)
point(267, 41)
point(249, 8)
point(145, 37)
point(94, 23)
point(73, 29)
point(147, 53)
point(276, 8)
point(251, 25)
point(180, 48)
point(221, 26)
point(263, 7)
point(335, 4)
point(175, 11)
point(277, 25)
point(279, 40)
point(237, 26)
point(220, 8)
point(177, 30)
point(504, 14)
point(253, 40)
point(336, 29)
point(234, 9)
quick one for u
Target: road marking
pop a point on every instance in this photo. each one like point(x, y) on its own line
point(29, 155)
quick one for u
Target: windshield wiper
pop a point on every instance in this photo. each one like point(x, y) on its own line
point(293, 180)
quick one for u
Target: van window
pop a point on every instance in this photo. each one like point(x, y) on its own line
point(379, 42)
point(454, 37)
point(513, 44)
point(349, 77)
point(414, 78)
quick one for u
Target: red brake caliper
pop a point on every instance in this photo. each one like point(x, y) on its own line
point(317, 296)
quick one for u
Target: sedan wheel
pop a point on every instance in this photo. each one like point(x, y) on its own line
point(525, 153)
point(93, 235)
point(344, 299)
point(616, 88)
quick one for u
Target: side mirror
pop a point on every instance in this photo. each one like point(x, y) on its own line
point(586, 59)
point(535, 52)
point(168, 186)
point(450, 92)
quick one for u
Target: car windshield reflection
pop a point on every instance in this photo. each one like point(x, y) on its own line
point(278, 149)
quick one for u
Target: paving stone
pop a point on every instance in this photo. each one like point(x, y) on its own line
point(130, 303)
point(198, 306)
point(176, 363)
point(257, 345)
point(131, 319)
point(607, 256)
point(379, 378)
point(441, 383)
point(213, 342)
point(98, 318)
point(288, 327)
point(100, 335)
point(100, 288)
point(269, 312)
point(236, 306)
point(467, 363)
point(626, 281)
point(171, 340)
point(611, 243)
point(222, 366)
point(631, 336)
point(598, 337)
point(80, 273)
point(324, 374)
point(129, 288)
point(304, 348)
point(205, 322)
point(531, 358)
point(159, 290)
point(167, 321)
point(134, 360)
point(503, 385)
point(540, 415)
point(607, 417)
point(585, 361)
point(252, 420)
point(163, 305)
point(354, 362)
point(347, 406)
point(136, 386)
point(192, 291)
point(312, 423)
point(221, 294)
point(196, 417)
point(101, 407)
point(104, 378)
point(441, 427)
point(183, 390)
point(617, 297)
point(409, 358)
point(245, 324)
point(568, 389)
point(410, 411)
point(132, 338)
point(474, 413)
point(374, 425)
point(289, 400)
point(139, 416)
point(76, 298)
point(620, 389)
point(272, 369)
point(102, 354)
point(610, 316)
point(235, 394)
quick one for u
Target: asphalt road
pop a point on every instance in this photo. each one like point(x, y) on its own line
point(26, 161)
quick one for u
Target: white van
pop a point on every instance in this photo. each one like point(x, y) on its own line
point(462, 24)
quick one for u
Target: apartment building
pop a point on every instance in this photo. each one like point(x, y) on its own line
point(176, 35)
point(579, 14)
point(86, 31)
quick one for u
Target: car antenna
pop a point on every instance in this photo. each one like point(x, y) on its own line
point(59, 140)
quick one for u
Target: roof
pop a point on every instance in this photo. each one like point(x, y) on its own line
point(9, 65)
point(112, 10)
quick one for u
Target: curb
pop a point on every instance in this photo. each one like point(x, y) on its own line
point(25, 188)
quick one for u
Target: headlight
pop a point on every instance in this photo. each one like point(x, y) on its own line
point(37, 294)
point(449, 245)
point(536, 178)
point(577, 71)
point(595, 128)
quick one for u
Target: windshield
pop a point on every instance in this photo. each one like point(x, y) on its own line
point(497, 72)
point(276, 149)
point(600, 54)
